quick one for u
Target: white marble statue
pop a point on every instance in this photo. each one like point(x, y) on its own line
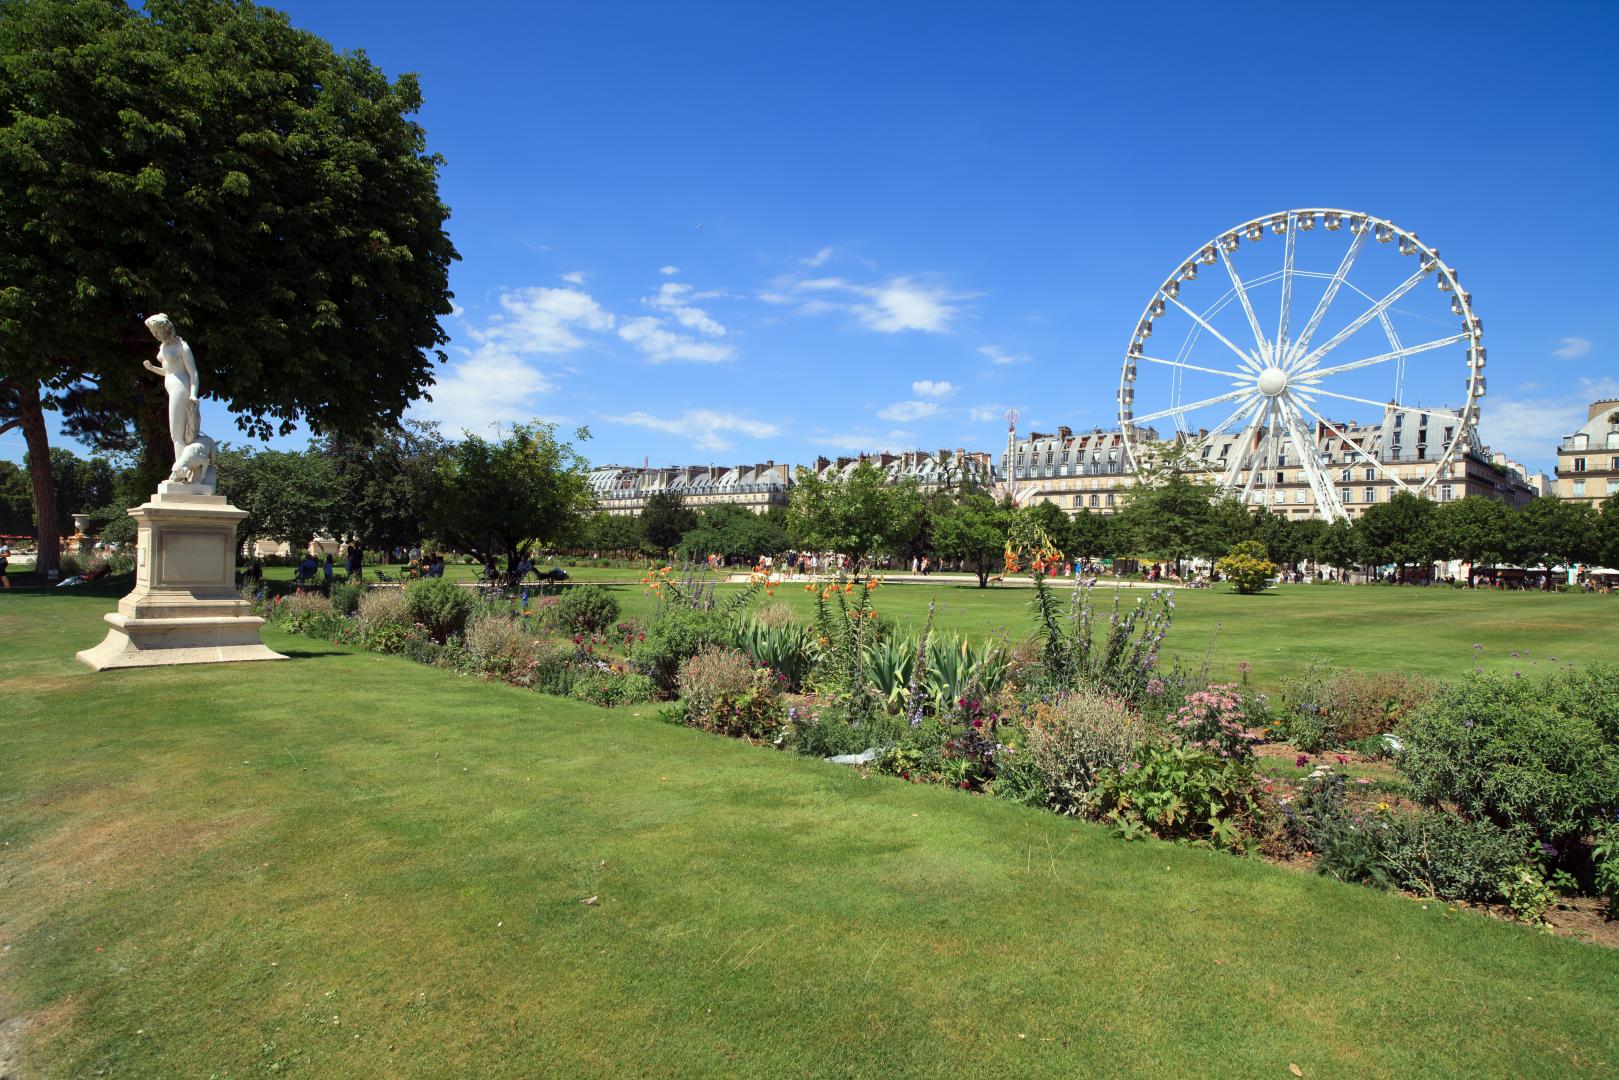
point(193, 451)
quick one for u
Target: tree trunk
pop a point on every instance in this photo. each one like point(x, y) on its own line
point(32, 415)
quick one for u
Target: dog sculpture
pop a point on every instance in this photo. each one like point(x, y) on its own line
point(196, 464)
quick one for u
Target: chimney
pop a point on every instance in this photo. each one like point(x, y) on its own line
point(1065, 433)
point(1601, 407)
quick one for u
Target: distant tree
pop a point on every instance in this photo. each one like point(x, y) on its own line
point(1553, 532)
point(665, 518)
point(1608, 534)
point(506, 497)
point(1169, 513)
point(1233, 521)
point(386, 482)
point(1248, 567)
point(1057, 524)
point(207, 159)
point(16, 500)
point(288, 495)
point(1397, 531)
point(1474, 529)
point(735, 532)
point(615, 533)
point(1093, 536)
point(1306, 536)
point(858, 515)
point(1338, 545)
point(973, 529)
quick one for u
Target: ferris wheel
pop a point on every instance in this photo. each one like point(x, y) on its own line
point(1267, 365)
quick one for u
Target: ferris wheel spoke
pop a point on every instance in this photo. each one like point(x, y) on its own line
point(1287, 289)
point(1181, 410)
point(1315, 355)
point(1256, 456)
point(1247, 359)
point(1247, 306)
point(1371, 458)
point(1311, 376)
point(1241, 444)
point(1333, 285)
point(1308, 392)
point(1194, 367)
point(1310, 462)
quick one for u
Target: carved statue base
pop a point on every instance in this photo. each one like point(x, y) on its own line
point(184, 608)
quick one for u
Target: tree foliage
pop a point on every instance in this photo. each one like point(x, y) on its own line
point(207, 159)
point(855, 515)
point(504, 497)
point(974, 529)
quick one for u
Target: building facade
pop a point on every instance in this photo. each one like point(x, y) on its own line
point(931, 471)
point(1588, 460)
point(1091, 471)
point(620, 489)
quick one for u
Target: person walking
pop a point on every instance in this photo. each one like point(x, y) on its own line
point(5, 560)
point(326, 570)
point(354, 562)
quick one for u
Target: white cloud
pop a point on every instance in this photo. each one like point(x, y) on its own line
point(673, 297)
point(1529, 429)
point(498, 379)
point(998, 355)
point(1572, 348)
point(890, 307)
point(474, 392)
point(820, 257)
point(575, 277)
point(668, 271)
point(650, 336)
point(983, 414)
point(541, 320)
point(456, 310)
point(903, 412)
point(862, 441)
point(928, 388)
point(706, 427)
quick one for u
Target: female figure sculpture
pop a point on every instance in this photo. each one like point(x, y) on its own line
point(179, 370)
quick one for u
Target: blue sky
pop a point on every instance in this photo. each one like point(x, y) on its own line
point(726, 233)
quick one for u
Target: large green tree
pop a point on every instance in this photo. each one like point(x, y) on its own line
point(857, 515)
point(528, 489)
point(207, 159)
point(665, 518)
point(289, 495)
point(1476, 530)
point(1169, 513)
point(973, 529)
point(1397, 531)
point(736, 532)
point(386, 481)
point(1553, 532)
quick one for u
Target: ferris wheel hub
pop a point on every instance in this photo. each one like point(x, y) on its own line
point(1272, 381)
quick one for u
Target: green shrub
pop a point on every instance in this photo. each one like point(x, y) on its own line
point(1248, 567)
point(1439, 854)
point(439, 605)
point(1177, 792)
point(1605, 858)
point(1071, 744)
point(585, 609)
point(1591, 691)
point(307, 613)
point(345, 596)
point(1505, 750)
point(498, 645)
point(556, 669)
point(383, 623)
point(1325, 708)
point(787, 648)
point(674, 635)
point(725, 693)
point(610, 689)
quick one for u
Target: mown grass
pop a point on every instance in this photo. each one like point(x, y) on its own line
point(352, 865)
point(1422, 631)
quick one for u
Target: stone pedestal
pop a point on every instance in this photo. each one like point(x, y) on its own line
point(184, 608)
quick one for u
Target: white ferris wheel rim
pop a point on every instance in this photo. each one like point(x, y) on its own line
point(1266, 393)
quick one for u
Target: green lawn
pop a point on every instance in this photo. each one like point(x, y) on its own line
point(348, 865)
point(1423, 631)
